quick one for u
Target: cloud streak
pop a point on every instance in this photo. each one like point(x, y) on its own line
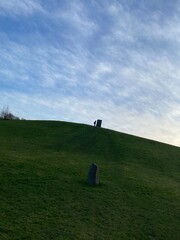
point(20, 7)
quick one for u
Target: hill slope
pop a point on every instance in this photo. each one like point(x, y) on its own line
point(44, 195)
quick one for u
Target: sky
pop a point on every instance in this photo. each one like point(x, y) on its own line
point(81, 60)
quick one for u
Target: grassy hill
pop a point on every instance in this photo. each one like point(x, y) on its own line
point(43, 190)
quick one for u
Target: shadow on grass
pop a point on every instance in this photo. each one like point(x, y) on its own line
point(84, 183)
point(5, 231)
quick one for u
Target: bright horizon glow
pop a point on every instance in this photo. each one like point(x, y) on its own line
point(78, 61)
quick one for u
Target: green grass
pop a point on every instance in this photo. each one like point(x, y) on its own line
point(44, 194)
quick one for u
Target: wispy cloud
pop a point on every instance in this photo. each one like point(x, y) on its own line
point(76, 16)
point(20, 7)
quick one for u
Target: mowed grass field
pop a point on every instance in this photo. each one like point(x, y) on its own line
point(44, 194)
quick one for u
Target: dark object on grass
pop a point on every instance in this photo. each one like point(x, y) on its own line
point(99, 122)
point(93, 175)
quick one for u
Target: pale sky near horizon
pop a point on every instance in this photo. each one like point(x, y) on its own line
point(80, 60)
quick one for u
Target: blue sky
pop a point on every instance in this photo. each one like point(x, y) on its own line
point(80, 60)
